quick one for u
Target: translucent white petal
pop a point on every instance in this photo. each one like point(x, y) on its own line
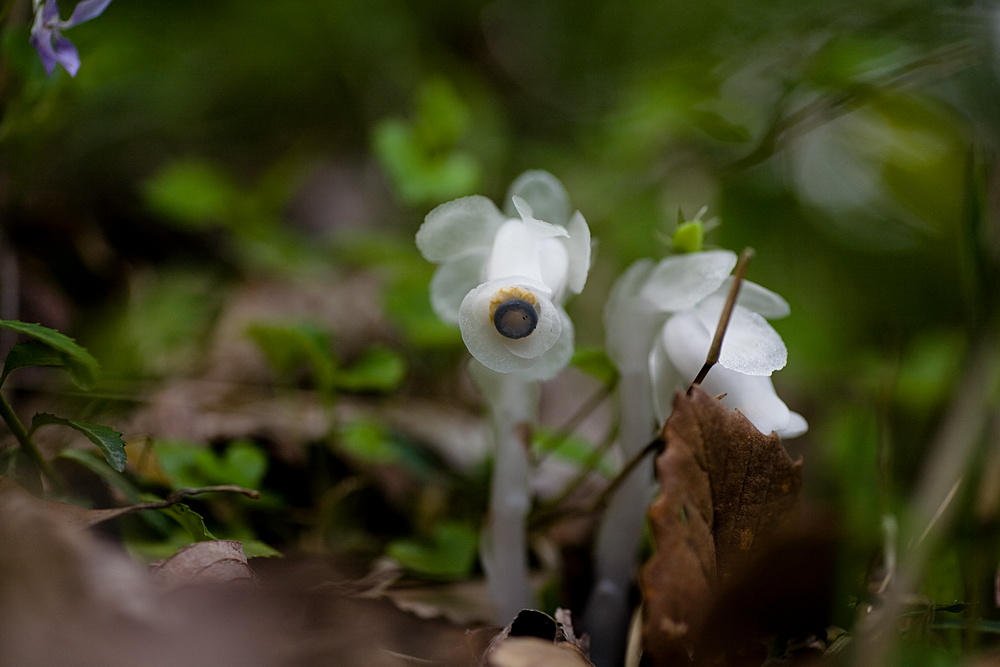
point(753, 395)
point(665, 379)
point(758, 299)
point(457, 227)
point(516, 252)
point(453, 280)
point(686, 340)
point(751, 345)
point(554, 262)
point(630, 324)
point(556, 357)
point(495, 351)
point(578, 245)
point(797, 425)
point(681, 281)
point(543, 192)
point(540, 228)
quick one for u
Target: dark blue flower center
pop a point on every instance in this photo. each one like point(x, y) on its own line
point(515, 318)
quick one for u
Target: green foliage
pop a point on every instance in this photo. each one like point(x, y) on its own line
point(189, 465)
point(449, 553)
point(292, 347)
point(595, 362)
point(50, 348)
point(422, 157)
point(193, 194)
point(107, 439)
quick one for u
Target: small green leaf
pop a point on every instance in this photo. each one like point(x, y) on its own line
point(450, 553)
point(378, 369)
point(106, 438)
point(191, 465)
point(193, 195)
point(595, 362)
point(190, 520)
point(82, 367)
point(289, 347)
point(258, 549)
point(368, 441)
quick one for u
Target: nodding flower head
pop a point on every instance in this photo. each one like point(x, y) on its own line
point(503, 277)
point(673, 308)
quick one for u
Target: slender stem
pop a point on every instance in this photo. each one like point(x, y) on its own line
point(619, 534)
point(727, 311)
point(27, 444)
point(504, 547)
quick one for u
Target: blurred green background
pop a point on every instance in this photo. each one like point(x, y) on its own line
point(221, 207)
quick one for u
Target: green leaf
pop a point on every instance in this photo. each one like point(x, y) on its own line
point(289, 347)
point(188, 519)
point(368, 441)
point(65, 352)
point(378, 369)
point(450, 553)
point(95, 464)
point(193, 195)
point(106, 438)
point(258, 549)
point(191, 465)
point(595, 362)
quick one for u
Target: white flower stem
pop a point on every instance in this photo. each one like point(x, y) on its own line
point(608, 611)
point(504, 547)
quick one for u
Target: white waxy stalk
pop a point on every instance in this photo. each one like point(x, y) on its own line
point(502, 279)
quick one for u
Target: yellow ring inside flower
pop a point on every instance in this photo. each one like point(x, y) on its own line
point(514, 312)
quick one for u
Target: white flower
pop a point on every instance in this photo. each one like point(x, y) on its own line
point(504, 277)
point(665, 316)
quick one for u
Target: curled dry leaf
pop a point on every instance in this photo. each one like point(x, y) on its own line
point(535, 638)
point(726, 490)
point(211, 562)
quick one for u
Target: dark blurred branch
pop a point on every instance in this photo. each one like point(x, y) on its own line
point(786, 126)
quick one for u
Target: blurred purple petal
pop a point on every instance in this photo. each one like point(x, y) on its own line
point(67, 55)
point(85, 10)
point(43, 44)
point(50, 13)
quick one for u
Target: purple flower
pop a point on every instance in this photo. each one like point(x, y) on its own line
point(46, 32)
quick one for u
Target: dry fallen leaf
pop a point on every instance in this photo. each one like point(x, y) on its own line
point(216, 561)
point(726, 490)
point(71, 598)
point(535, 638)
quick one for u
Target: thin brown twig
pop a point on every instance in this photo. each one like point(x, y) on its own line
point(727, 311)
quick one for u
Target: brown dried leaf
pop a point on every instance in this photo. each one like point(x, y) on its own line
point(211, 562)
point(726, 489)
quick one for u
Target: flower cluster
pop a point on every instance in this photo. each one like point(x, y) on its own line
point(46, 32)
point(503, 277)
point(663, 317)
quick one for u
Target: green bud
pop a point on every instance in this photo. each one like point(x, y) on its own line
point(689, 237)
